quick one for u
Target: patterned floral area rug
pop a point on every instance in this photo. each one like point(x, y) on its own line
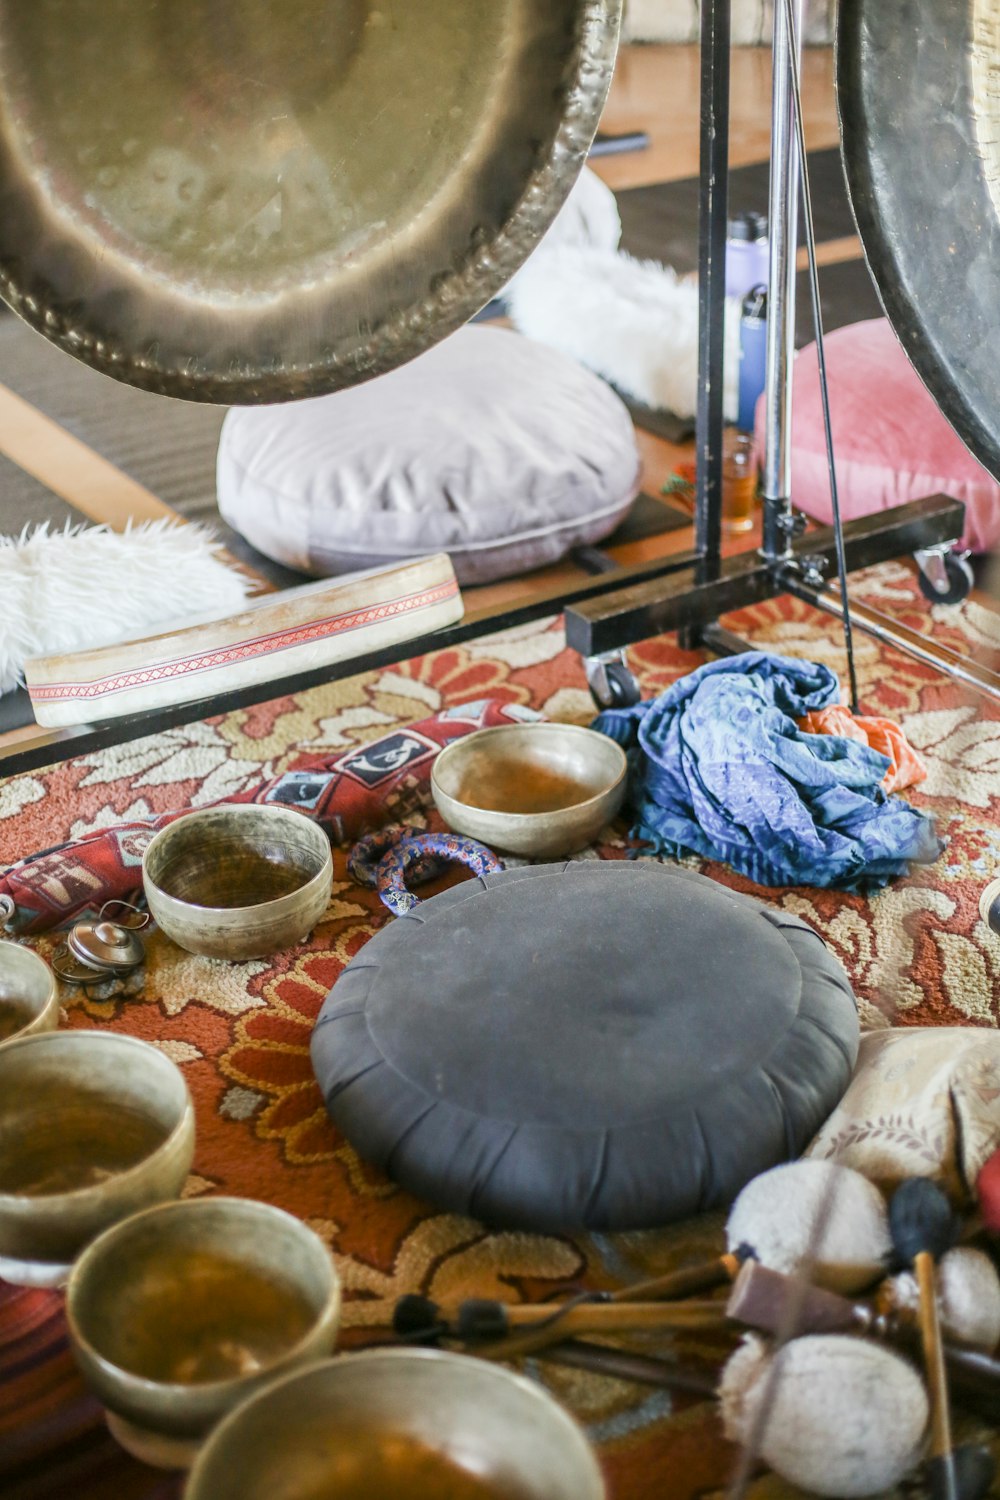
point(917, 953)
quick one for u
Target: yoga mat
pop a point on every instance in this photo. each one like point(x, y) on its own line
point(24, 501)
point(650, 515)
point(167, 446)
point(661, 222)
point(615, 145)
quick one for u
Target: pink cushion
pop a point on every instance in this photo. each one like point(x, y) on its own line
point(891, 442)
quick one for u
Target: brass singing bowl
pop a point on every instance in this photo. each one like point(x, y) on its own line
point(238, 882)
point(249, 200)
point(395, 1422)
point(29, 995)
point(537, 790)
point(181, 1312)
point(93, 1127)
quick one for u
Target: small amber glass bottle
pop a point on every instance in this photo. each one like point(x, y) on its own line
point(739, 481)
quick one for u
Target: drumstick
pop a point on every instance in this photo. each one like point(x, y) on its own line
point(626, 1364)
point(923, 1228)
point(725, 1268)
point(418, 1314)
point(480, 1319)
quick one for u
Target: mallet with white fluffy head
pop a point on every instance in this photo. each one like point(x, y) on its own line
point(814, 1216)
point(844, 1417)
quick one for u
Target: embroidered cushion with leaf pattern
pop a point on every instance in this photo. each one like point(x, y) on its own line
point(924, 1102)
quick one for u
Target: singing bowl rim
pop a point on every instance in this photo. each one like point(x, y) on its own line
point(276, 910)
point(46, 1017)
point(457, 748)
point(535, 835)
point(442, 307)
point(180, 1134)
point(113, 1381)
point(462, 1366)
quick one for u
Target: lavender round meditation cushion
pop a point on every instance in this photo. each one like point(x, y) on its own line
point(500, 452)
point(891, 442)
point(599, 1044)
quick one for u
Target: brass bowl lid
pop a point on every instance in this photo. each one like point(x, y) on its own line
point(103, 945)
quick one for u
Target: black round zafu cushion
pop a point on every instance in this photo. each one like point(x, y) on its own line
point(600, 1044)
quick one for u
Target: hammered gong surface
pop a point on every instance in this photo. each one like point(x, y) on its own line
point(256, 200)
point(918, 92)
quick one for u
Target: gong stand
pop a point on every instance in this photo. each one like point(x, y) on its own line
point(695, 592)
point(690, 591)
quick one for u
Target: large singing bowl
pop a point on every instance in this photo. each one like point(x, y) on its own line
point(257, 200)
point(918, 88)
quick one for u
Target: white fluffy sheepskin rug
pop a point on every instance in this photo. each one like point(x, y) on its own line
point(90, 586)
point(635, 323)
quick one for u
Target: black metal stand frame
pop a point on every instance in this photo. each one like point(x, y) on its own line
point(687, 592)
point(696, 594)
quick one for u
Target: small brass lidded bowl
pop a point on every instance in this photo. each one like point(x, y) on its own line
point(398, 1422)
point(29, 995)
point(238, 881)
point(181, 1312)
point(93, 1127)
point(537, 790)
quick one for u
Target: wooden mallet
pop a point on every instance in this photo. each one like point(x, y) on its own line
point(923, 1226)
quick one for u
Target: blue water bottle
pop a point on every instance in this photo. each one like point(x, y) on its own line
point(753, 355)
point(746, 254)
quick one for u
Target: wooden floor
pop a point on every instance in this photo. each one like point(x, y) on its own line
point(656, 89)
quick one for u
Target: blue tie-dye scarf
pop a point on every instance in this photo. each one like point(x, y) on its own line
point(718, 767)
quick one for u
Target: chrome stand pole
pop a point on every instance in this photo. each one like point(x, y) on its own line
point(783, 220)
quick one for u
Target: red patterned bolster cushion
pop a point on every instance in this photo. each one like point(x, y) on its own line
point(349, 794)
point(891, 442)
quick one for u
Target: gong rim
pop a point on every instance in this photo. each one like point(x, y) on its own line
point(909, 114)
point(255, 367)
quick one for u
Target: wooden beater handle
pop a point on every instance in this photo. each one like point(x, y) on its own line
point(930, 1334)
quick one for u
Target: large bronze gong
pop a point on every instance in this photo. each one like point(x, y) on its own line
point(254, 200)
point(918, 85)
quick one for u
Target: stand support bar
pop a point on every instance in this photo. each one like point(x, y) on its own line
point(713, 215)
point(923, 648)
point(783, 221)
point(648, 609)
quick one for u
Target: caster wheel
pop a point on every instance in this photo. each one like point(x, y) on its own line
point(612, 683)
point(958, 580)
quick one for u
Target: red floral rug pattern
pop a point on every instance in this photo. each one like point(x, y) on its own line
point(918, 953)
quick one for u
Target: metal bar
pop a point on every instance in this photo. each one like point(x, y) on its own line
point(648, 609)
point(713, 211)
point(783, 209)
point(627, 1364)
point(722, 642)
point(46, 747)
point(817, 312)
point(961, 668)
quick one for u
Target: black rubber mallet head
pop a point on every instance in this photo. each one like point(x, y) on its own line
point(921, 1220)
point(418, 1320)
